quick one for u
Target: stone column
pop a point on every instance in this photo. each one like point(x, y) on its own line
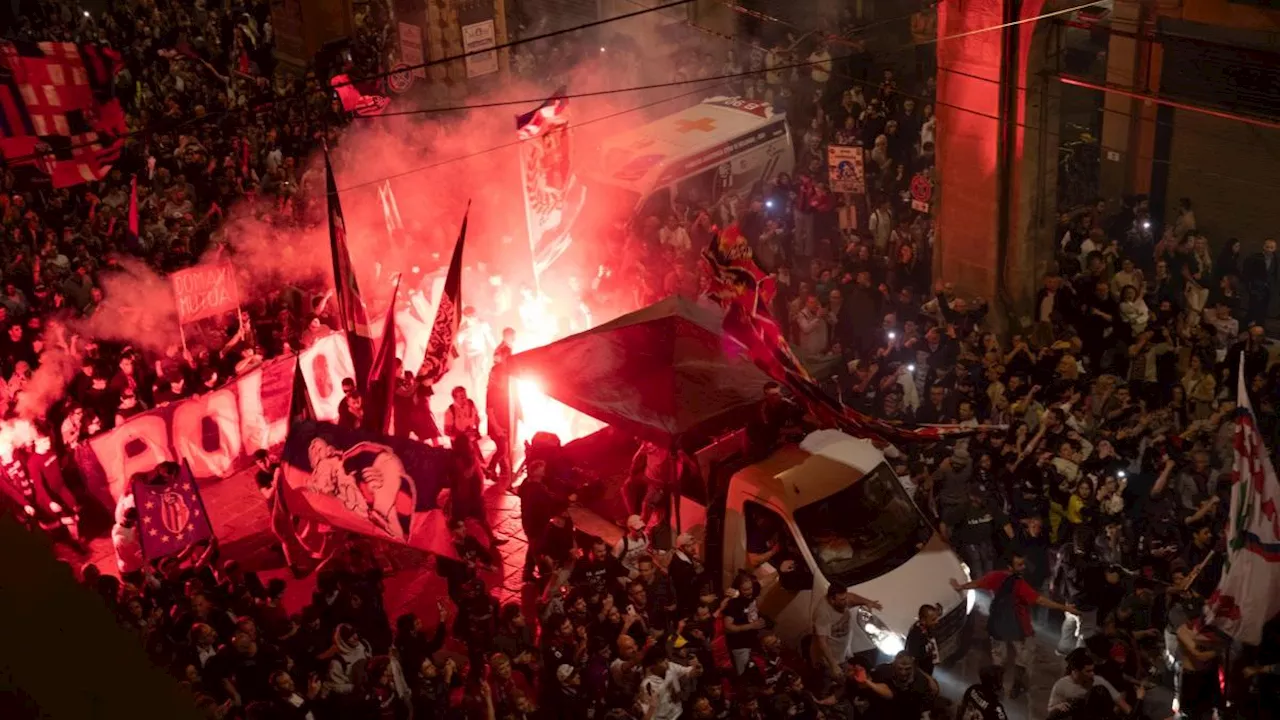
point(990, 242)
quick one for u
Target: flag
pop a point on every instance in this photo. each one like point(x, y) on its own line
point(351, 312)
point(300, 409)
point(382, 381)
point(58, 114)
point(171, 515)
point(745, 293)
point(1248, 594)
point(535, 121)
point(442, 346)
point(131, 241)
point(368, 483)
point(356, 102)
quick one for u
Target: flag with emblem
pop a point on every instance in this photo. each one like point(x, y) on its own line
point(351, 311)
point(1248, 594)
point(442, 346)
point(59, 120)
point(171, 515)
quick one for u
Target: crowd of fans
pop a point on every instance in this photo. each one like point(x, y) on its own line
point(216, 126)
point(1103, 501)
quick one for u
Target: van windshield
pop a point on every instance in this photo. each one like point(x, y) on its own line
point(864, 530)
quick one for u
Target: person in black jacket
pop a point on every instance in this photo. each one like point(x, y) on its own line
point(412, 642)
point(538, 505)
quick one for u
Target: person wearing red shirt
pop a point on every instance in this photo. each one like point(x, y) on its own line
point(1009, 622)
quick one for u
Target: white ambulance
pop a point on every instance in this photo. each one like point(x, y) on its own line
point(697, 156)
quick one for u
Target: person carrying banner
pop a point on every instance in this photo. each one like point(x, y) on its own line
point(288, 529)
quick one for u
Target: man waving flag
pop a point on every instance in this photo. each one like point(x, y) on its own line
point(1248, 594)
point(351, 312)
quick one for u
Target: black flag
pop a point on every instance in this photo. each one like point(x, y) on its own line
point(441, 349)
point(351, 312)
point(300, 409)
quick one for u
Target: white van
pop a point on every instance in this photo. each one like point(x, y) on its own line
point(835, 499)
point(697, 156)
point(854, 524)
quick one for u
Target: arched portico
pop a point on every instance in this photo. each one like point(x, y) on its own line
point(996, 149)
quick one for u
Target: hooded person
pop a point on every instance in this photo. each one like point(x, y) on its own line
point(348, 659)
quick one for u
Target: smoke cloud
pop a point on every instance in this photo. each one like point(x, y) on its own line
point(435, 163)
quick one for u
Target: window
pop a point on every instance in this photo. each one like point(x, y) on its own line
point(864, 530)
point(766, 530)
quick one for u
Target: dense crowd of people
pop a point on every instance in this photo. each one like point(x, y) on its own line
point(1102, 503)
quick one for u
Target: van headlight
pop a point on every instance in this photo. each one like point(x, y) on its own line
point(886, 641)
point(970, 596)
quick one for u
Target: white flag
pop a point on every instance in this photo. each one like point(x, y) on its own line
point(1248, 594)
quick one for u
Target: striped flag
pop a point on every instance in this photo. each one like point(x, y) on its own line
point(351, 311)
point(1248, 594)
point(442, 346)
point(58, 115)
point(171, 514)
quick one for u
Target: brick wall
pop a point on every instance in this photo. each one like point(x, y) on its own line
point(1231, 172)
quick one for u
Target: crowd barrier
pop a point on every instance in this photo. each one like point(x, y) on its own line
point(217, 432)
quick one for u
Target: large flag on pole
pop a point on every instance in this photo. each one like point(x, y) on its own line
point(1248, 594)
point(382, 382)
point(351, 312)
point(746, 292)
point(442, 347)
point(171, 514)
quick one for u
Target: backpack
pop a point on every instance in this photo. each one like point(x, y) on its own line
point(1002, 620)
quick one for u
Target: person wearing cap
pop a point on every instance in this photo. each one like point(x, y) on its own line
point(568, 698)
point(632, 546)
point(685, 571)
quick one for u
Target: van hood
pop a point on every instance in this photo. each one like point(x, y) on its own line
point(926, 578)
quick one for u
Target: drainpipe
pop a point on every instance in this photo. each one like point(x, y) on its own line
point(1007, 143)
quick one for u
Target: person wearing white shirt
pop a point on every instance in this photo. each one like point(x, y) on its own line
point(128, 547)
point(1075, 686)
point(664, 684)
point(672, 235)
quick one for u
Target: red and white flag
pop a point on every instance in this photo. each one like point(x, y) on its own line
point(1248, 594)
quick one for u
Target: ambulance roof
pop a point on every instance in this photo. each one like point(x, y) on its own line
point(637, 158)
